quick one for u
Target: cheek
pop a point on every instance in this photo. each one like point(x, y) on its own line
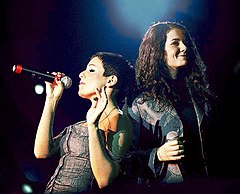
point(169, 56)
point(169, 52)
point(172, 52)
point(96, 84)
point(86, 91)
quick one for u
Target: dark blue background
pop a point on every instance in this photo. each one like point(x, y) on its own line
point(61, 36)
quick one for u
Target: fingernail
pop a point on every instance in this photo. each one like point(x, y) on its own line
point(95, 98)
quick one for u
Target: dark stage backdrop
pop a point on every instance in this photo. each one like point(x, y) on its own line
point(50, 35)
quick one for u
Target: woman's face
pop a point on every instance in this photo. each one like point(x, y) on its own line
point(91, 78)
point(175, 48)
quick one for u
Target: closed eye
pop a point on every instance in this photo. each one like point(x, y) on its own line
point(91, 70)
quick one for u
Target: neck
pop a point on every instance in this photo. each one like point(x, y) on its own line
point(177, 73)
point(111, 104)
point(173, 73)
point(110, 110)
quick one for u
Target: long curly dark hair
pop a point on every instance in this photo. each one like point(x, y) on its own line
point(151, 68)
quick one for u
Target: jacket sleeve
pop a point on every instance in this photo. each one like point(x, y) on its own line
point(141, 161)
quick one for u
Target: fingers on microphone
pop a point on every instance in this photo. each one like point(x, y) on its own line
point(181, 147)
point(176, 150)
point(60, 74)
point(180, 152)
point(172, 142)
point(181, 140)
point(176, 157)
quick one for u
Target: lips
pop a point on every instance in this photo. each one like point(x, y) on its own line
point(81, 83)
point(182, 56)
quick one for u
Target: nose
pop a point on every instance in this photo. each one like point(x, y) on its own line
point(183, 47)
point(81, 74)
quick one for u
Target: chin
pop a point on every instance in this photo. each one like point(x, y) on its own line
point(83, 96)
point(182, 64)
point(80, 94)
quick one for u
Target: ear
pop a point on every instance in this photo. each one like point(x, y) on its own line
point(112, 80)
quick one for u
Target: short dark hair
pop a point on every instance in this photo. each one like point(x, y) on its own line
point(116, 64)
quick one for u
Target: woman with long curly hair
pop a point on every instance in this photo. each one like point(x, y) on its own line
point(172, 110)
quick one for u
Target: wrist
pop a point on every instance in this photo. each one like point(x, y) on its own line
point(159, 154)
point(51, 103)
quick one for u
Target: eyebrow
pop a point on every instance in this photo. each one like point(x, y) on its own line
point(91, 64)
point(175, 39)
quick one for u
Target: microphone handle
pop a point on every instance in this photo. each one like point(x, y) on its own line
point(38, 73)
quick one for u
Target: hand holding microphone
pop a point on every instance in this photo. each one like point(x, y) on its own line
point(172, 150)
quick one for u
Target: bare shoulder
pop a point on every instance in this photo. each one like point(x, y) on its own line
point(122, 136)
point(124, 122)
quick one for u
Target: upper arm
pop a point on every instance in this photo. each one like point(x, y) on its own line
point(119, 141)
point(55, 147)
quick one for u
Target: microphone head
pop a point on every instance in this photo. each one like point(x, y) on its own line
point(172, 135)
point(67, 82)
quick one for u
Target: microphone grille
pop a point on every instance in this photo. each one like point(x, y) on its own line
point(67, 82)
point(171, 135)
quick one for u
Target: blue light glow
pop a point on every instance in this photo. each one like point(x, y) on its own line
point(133, 18)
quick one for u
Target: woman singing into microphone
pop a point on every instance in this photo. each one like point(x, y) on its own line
point(90, 151)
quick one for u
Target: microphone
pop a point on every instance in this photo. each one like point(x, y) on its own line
point(175, 167)
point(172, 135)
point(67, 81)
